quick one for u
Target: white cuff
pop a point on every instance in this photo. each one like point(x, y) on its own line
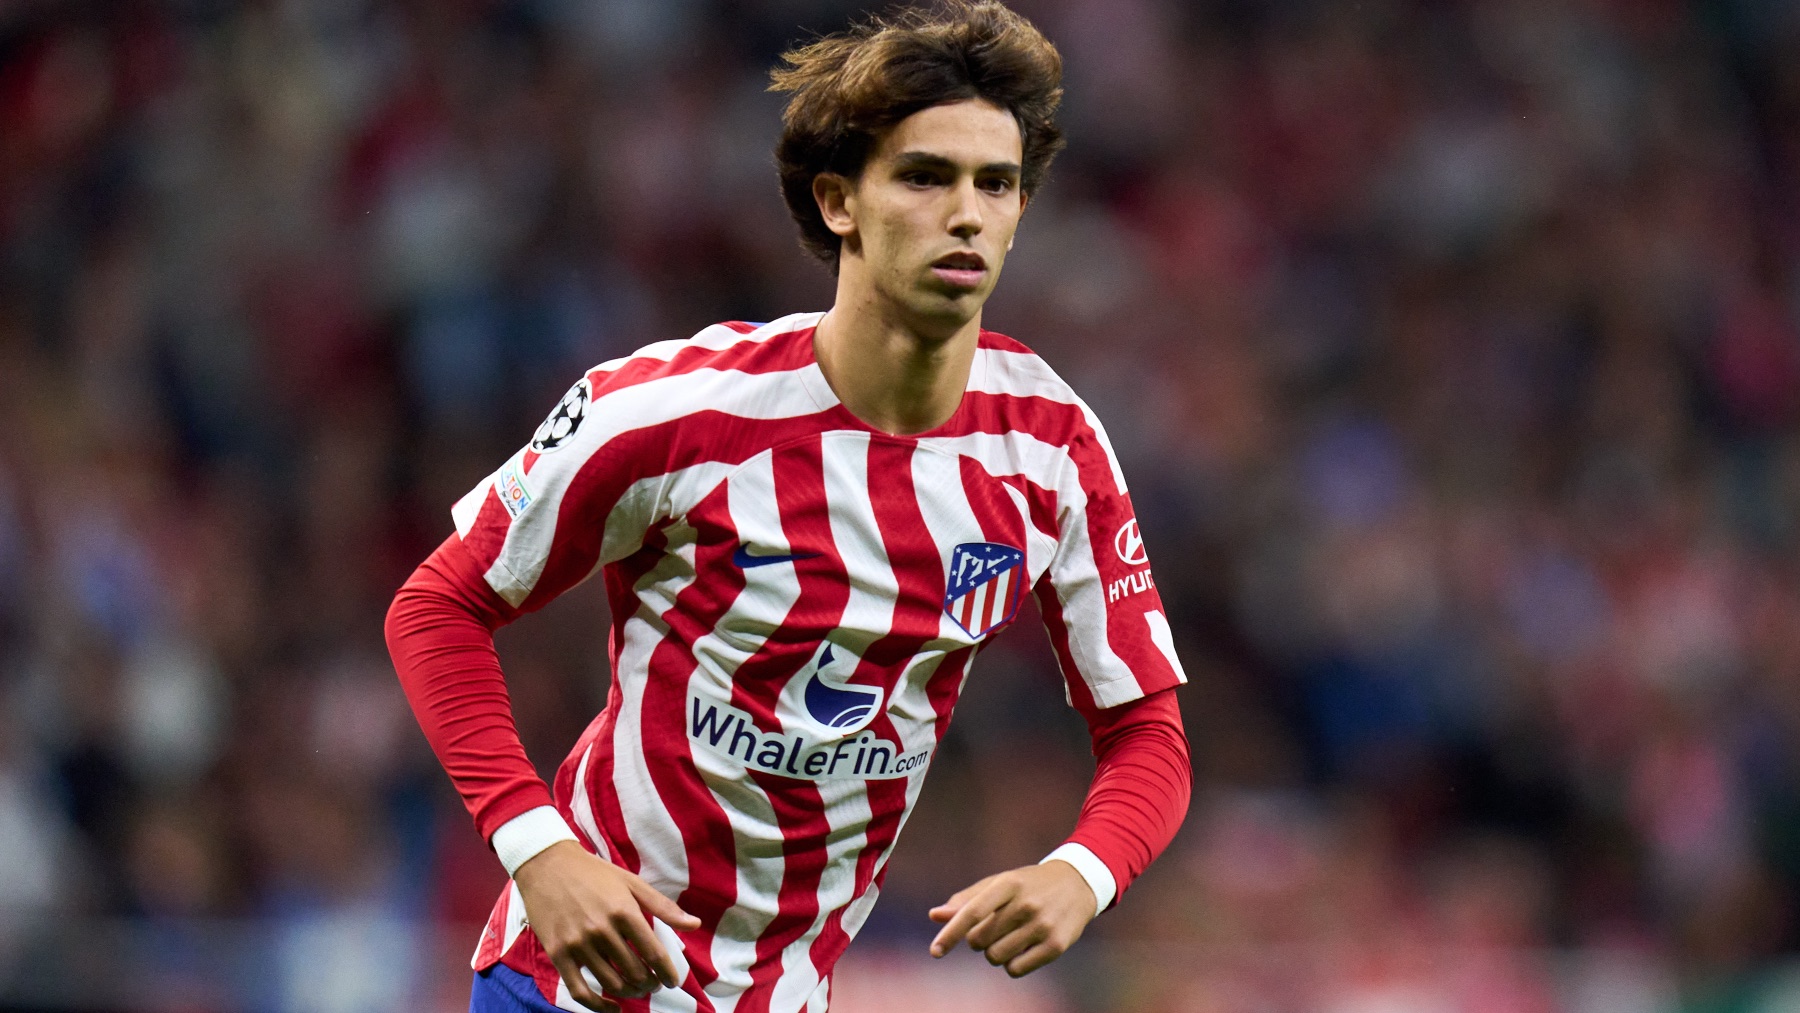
point(521, 838)
point(1099, 877)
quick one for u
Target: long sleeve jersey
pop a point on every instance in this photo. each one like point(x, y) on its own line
point(797, 599)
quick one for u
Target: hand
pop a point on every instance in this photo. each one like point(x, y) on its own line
point(1022, 919)
point(589, 913)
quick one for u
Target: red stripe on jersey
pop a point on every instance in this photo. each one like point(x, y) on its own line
point(1080, 697)
point(789, 350)
point(1000, 523)
point(602, 799)
point(621, 582)
point(654, 450)
point(805, 832)
point(710, 846)
point(487, 952)
point(779, 352)
point(1000, 343)
point(621, 595)
point(918, 562)
point(806, 524)
point(1041, 502)
point(798, 807)
point(487, 535)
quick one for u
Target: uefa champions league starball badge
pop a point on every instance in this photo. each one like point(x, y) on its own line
point(564, 419)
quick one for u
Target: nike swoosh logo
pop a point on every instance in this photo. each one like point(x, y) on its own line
point(745, 560)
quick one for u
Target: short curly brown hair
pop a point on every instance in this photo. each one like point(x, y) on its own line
point(849, 87)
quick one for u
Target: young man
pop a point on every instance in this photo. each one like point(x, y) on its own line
point(807, 529)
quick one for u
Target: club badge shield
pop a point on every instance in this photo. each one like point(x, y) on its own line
point(987, 582)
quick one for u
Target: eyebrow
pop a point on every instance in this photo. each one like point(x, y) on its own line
point(927, 160)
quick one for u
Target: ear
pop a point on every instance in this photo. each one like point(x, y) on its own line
point(836, 197)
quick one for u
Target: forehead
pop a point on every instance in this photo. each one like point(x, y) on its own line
point(970, 132)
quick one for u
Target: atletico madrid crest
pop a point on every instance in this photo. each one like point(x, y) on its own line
point(985, 587)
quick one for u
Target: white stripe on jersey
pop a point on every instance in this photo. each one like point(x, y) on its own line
point(515, 917)
point(870, 606)
point(1162, 636)
point(716, 337)
point(1080, 590)
point(654, 402)
point(666, 495)
point(756, 834)
point(757, 838)
point(1023, 374)
point(582, 807)
point(662, 853)
point(946, 514)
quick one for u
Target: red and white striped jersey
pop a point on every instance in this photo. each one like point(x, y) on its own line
point(797, 599)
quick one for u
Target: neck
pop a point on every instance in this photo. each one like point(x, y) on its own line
point(893, 374)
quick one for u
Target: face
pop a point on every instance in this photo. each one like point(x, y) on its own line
point(929, 221)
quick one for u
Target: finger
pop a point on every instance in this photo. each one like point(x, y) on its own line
point(579, 989)
point(587, 957)
point(662, 907)
point(1017, 942)
point(613, 945)
point(1032, 959)
point(999, 925)
point(947, 910)
point(638, 933)
point(973, 912)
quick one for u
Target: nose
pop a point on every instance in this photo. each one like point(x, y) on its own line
point(965, 216)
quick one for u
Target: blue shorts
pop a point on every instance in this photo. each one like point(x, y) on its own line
point(500, 989)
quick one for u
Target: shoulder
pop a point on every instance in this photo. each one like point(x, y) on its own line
point(1032, 398)
point(736, 346)
point(733, 368)
point(1031, 393)
point(1006, 366)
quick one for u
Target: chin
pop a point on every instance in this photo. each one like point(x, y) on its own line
point(948, 311)
point(938, 312)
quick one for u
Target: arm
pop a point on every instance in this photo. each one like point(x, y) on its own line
point(1117, 654)
point(440, 633)
point(1025, 918)
point(580, 495)
point(586, 911)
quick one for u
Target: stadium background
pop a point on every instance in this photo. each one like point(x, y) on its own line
point(1452, 351)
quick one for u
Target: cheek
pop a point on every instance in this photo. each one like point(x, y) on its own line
point(894, 239)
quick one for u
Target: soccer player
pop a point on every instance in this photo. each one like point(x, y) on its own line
point(807, 529)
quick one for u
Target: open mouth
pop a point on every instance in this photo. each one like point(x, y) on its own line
point(964, 268)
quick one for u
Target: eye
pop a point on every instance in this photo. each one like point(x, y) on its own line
point(919, 177)
point(997, 185)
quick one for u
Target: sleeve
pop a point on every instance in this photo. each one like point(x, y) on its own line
point(583, 492)
point(440, 635)
point(1138, 798)
point(1098, 596)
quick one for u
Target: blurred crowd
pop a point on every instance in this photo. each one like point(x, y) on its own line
point(1452, 350)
